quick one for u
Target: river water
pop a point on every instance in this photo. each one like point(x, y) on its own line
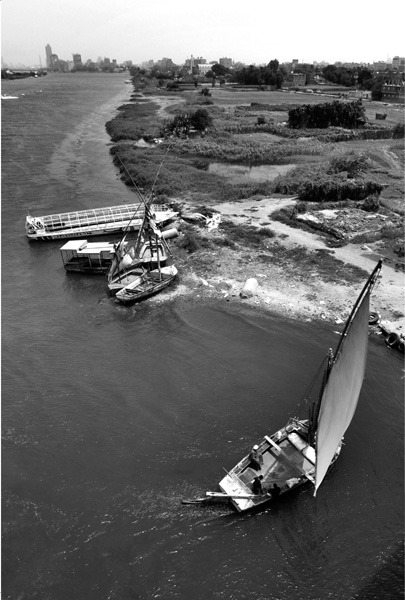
point(112, 415)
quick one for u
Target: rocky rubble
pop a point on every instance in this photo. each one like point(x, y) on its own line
point(348, 225)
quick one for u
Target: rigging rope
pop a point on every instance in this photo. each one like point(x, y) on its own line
point(306, 396)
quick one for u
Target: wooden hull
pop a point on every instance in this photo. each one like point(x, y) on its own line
point(120, 281)
point(148, 259)
point(283, 463)
point(146, 287)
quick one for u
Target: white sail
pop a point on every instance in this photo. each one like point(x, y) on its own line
point(342, 389)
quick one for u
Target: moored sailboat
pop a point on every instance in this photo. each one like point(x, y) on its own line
point(305, 448)
point(146, 274)
point(131, 260)
point(139, 270)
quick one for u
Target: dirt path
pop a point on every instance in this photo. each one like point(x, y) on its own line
point(312, 298)
point(164, 103)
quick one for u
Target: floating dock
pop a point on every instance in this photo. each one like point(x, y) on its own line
point(97, 221)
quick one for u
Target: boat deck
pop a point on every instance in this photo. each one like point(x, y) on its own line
point(94, 216)
point(111, 218)
point(282, 463)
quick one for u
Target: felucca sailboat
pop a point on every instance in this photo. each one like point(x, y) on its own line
point(132, 259)
point(305, 449)
point(154, 279)
point(139, 270)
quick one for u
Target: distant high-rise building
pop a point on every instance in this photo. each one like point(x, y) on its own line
point(380, 65)
point(54, 62)
point(48, 52)
point(398, 63)
point(294, 64)
point(77, 60)
point(165, 64)
point(226, 62)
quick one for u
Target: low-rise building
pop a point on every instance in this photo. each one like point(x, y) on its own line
point(393, 92)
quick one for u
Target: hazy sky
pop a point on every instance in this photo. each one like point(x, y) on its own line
point(250, 32)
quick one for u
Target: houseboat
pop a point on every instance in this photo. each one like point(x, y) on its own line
point(97, 221)
point(80, 256)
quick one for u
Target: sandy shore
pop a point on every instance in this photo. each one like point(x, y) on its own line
point(301, 295)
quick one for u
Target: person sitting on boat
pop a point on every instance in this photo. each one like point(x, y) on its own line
point(274, 491)
point(256, 459)
point(257, 485)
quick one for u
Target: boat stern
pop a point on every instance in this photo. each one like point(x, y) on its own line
point(239, 494)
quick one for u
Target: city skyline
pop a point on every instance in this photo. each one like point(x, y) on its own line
point(143, 32)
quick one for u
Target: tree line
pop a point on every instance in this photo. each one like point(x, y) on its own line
point(350, 115)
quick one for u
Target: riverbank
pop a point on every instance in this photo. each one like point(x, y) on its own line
point(288, 267)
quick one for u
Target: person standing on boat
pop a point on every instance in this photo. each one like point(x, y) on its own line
point(256, 459)
point(274, 491)
point(257, 487)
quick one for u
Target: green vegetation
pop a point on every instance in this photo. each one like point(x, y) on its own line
point(327, 267)
point(247, 235)
point(329, 189)
point(272, 74)
point(398, 131)
point(234, 151)
point(333, 180)
point(255, 133)
point(335, 114)
point(182, 123)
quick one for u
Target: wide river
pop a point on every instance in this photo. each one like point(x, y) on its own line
point(112, 415)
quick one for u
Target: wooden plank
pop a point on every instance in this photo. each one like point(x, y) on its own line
point(288, 459)
point(225, 495)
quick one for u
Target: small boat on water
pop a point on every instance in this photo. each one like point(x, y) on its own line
point(97, 221)
point(139, 269)
point(147, 284)
point(132, 260)
point(305, 448)
point(80, 256)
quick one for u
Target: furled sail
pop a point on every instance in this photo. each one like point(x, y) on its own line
point(342, 390)
point(119, 255)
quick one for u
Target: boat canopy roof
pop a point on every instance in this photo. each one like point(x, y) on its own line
point(82, 244)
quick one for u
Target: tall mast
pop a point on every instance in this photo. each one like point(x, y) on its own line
point(343, 382)
point(316, 407)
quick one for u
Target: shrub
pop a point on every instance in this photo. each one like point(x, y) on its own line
point(246, 234)
point(371, 204)
point(189, 242)
point(181, 124)
point(301, 207)
point(350, 162)
point(172, 86)
point(200, 120)
point(334, 189)
point(398, 131)
point(338, 114)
